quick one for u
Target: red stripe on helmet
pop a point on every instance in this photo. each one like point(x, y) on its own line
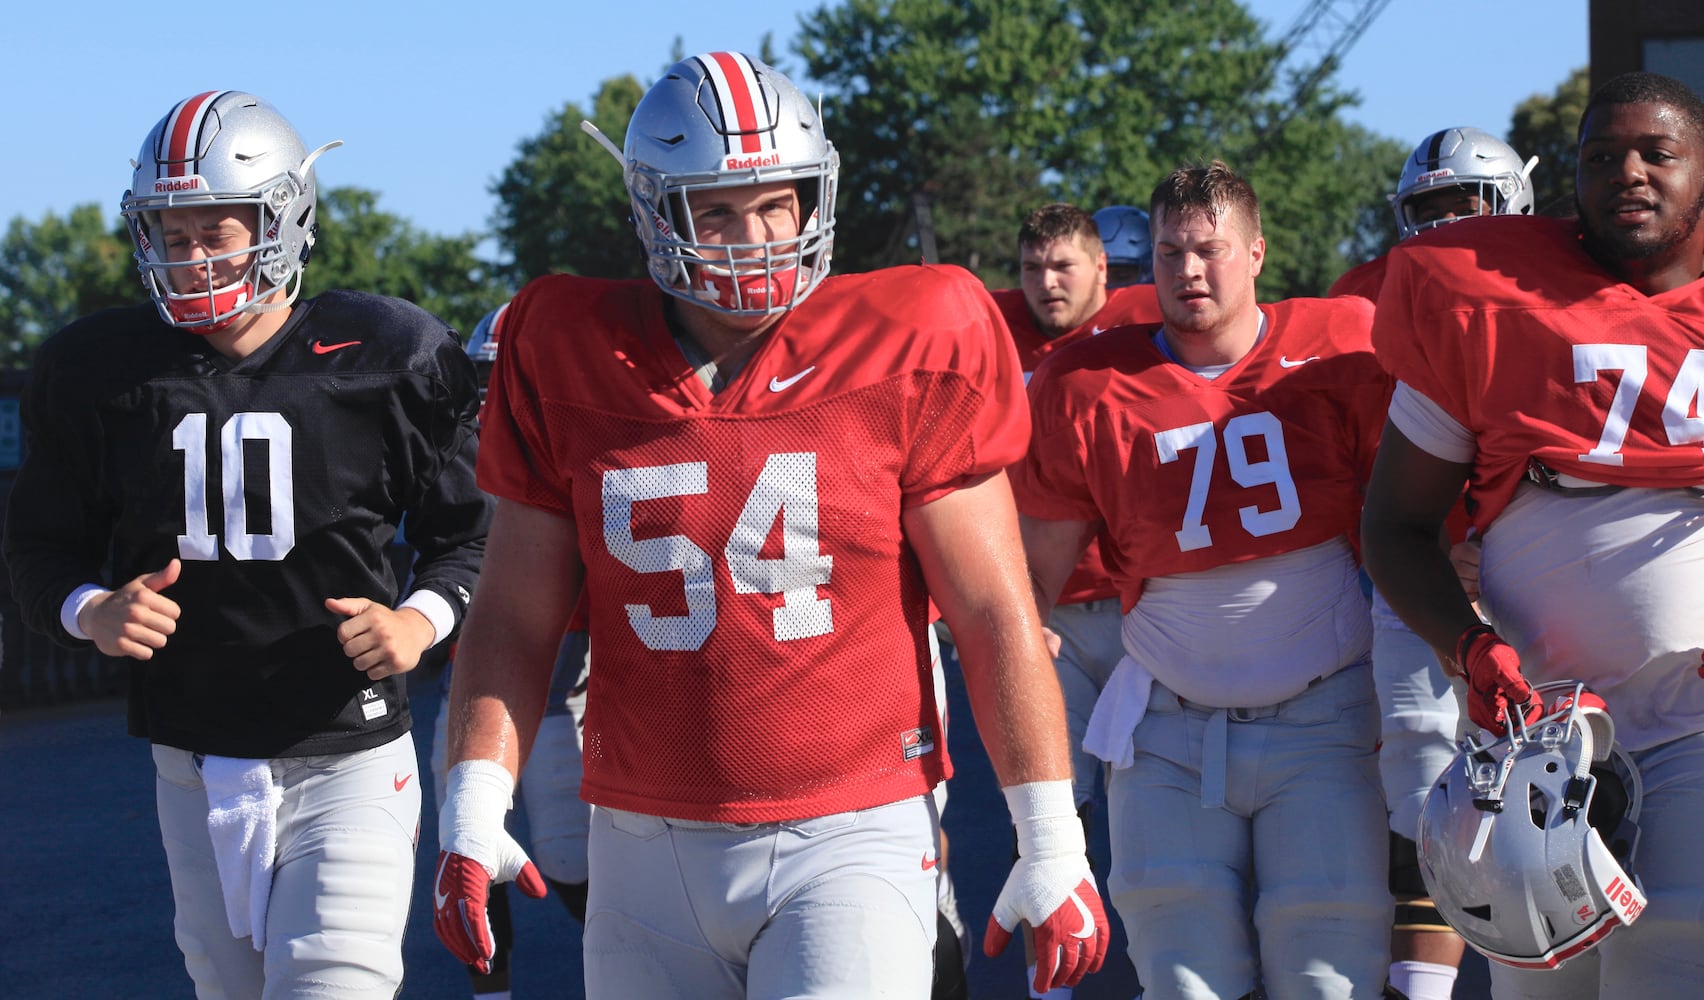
point(740, 75)
point(181, 130)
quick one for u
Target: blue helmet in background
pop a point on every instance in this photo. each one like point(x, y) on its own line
point(1129, 245)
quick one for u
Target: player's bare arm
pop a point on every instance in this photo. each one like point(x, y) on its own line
point(1051, 550)
point(530, 583)
point(970, 550)
point(381, 641)
point(135, 619)
point(968, 545)
point(1410, 495)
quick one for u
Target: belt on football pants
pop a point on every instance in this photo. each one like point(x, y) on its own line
point(1573, 486)
point(1215, 741)
point(1561, 482)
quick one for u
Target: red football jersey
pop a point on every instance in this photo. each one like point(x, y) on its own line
point(1519, 335)
point(1091, 580)
point(1363, 280)
point(1190, 473)
point(757, 613)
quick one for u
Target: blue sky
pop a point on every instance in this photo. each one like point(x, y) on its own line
point(432, 98)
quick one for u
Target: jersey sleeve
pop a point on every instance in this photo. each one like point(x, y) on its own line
point(970, 419)
point(513, 456)
point(448, 515)
point(1051, 483)
point(1416, 344)
point(57, 525)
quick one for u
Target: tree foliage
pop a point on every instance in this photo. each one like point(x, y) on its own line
point(365, 249)
point(561, 204)
point(55, 270)
point(1547, 126)
point(58, 269)
point(988, 108)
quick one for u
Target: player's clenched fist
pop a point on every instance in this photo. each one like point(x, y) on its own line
point(1050, 887)
point(1495, 685)
point(135, 619)
point(476, 851)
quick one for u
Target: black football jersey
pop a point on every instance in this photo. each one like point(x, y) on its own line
point(280, 480)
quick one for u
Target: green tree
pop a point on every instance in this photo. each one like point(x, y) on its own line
point(1547, 126)
point(991, 107)
point(363, 248)
point(58, 269)
point(561, 205)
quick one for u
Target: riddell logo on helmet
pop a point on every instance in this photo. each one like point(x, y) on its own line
point(739, 162)
point(1625, 898)
point(168, 185)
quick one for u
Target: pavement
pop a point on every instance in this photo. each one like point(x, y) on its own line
point(88, 907)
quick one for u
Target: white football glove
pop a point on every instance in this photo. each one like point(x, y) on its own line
point(476, 851)
point(1051, 888)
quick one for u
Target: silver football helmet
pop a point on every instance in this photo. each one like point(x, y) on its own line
point(224, 147)
point(482, 344)
point(1527, 843)
point(723, 120)
point(1128, 243)
point(1463, 157)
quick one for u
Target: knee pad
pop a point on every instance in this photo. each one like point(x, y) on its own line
point(1415, 910)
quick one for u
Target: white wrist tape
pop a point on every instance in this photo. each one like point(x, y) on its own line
point(1045, 816)
point(477, 796)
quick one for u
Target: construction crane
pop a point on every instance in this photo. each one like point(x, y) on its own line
point(1324, 32)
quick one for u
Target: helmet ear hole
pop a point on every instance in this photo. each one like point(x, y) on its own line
point(1538, 806)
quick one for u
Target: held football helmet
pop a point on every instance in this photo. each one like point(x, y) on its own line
point(1124, 233)
point(722, 120)
point(1463, 157)
point(1527, 843)
point(224, 147)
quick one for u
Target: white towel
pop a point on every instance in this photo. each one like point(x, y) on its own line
point(1121, 705)
point(242, 818)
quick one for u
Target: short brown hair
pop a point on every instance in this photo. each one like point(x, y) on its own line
point(1059, 221)
point(1215, 190)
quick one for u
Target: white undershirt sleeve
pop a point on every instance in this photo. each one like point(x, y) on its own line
point(73, 607)
point(1431, 429)
point(435, 608)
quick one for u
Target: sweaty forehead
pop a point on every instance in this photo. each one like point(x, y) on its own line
point(202, 217)
point(1639, 121)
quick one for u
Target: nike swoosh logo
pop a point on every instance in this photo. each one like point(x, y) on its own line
point(1287, 363)
point(930, 863)
point(320, 348)
point(401, 782)
point(439, 898)
point(783, 384)
point(1088, 930)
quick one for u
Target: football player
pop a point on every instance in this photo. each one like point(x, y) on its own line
point(550, 788)
point(1222, 452)
point(212, 486)
point(1061, 260)
point(1553, 365)
point(1128, 243)
point(756, 473)
point(1454, 173)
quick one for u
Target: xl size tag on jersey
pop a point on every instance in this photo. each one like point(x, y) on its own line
point(914, 743)
point(372, 705)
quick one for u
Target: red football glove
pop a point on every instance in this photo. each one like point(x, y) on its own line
point(1050, 887)
point(476, 852)
point(1494, 682)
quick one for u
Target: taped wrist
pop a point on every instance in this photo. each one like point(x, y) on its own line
point(477, 796)
point(1044, 816)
